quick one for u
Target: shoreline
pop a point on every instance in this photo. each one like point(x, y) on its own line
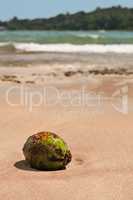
point(37, 68)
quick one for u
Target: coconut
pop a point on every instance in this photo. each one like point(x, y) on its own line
point(46, 151)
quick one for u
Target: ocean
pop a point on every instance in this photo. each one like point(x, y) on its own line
point(68, 41)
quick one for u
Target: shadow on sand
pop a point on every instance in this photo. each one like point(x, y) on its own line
point(24, 165)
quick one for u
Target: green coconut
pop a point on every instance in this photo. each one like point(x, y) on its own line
point(46, 151)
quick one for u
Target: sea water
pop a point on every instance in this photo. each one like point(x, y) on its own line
point(68, 41)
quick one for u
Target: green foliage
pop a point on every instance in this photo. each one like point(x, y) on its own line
point(114, 18)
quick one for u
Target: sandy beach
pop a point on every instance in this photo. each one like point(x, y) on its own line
point(93, 113)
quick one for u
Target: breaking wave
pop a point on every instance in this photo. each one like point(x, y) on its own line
point(88, 35)
point(68, 48)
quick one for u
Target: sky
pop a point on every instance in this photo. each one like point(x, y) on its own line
point(48, 8)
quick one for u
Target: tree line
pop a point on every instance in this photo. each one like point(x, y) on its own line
point(114, 18)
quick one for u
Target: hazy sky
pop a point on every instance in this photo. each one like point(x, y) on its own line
point(46, 8)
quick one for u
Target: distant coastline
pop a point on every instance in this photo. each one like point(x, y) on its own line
point(114, 18)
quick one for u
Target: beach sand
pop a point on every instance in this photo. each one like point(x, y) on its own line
point(98, 130)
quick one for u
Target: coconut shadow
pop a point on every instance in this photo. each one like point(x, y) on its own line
point(24, 165)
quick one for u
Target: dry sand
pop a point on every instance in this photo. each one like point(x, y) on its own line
point(100, 138)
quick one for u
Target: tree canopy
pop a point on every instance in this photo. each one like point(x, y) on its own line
point(114, 18)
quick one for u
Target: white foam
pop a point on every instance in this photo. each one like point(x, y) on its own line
point(94, 36)
point(84, 35)
point(70, 48)
point(2, 44)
